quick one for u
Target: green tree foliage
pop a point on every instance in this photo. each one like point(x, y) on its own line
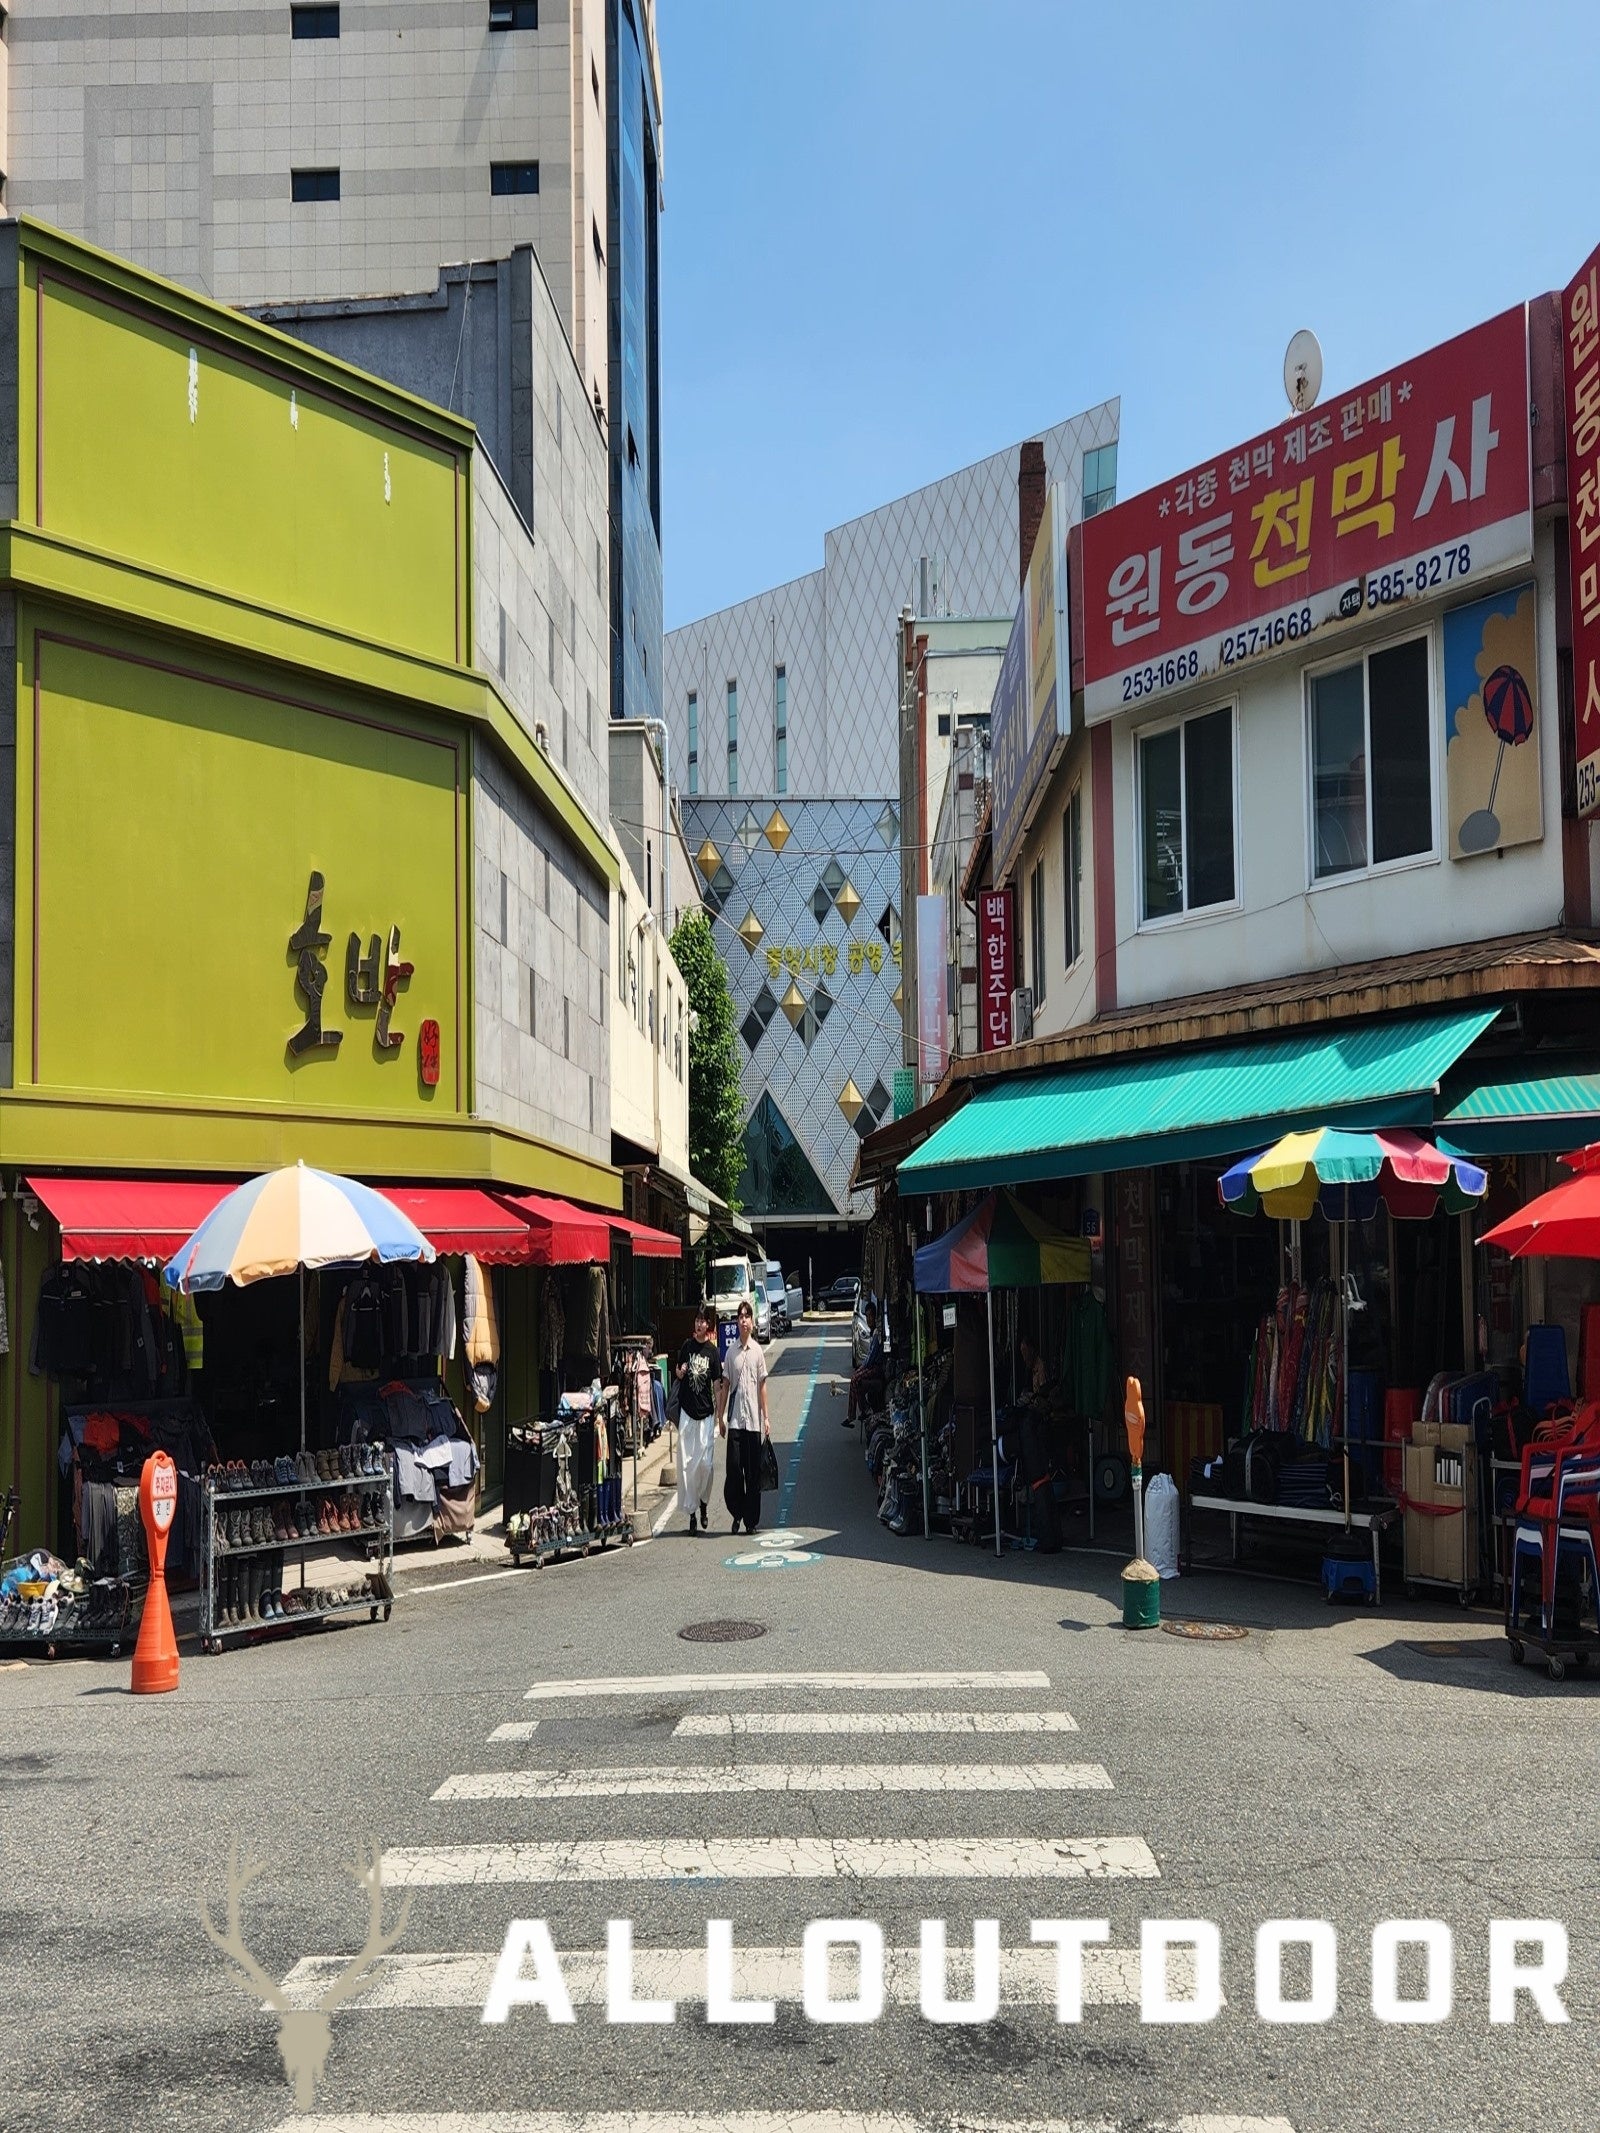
point(716, 1148)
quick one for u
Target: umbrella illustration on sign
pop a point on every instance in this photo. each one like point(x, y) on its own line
point(1508, 708)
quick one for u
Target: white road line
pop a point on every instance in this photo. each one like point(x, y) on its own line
point(442, 1866)
point(484, 1577)
point(516, 1729)
point(745, 2122)
point(677, 1780)
point(718, 1684)
point(1027, 1977)
point(728, 1725)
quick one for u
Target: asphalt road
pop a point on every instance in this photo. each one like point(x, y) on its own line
point(1321, 1767)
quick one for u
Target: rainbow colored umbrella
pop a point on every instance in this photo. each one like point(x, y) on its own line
point(289, 1220)
point(1344, 1175)
point(999, 1245)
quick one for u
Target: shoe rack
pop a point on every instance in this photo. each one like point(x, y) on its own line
point(255, 1532)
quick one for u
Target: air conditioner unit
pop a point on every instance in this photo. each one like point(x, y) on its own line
point(1022, 1014)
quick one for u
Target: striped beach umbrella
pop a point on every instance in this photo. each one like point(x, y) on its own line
point(287, 1221)
point(1344, 1175)
point(292, 1219)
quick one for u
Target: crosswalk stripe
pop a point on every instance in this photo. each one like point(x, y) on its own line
point(693, 1684)
point(774, 1859)
point(1027, 1977)
point(728, 1725)
point(516, 1729)
point(749, 2122)
point(676, 1780)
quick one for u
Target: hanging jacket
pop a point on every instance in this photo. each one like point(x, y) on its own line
point(481, 1330)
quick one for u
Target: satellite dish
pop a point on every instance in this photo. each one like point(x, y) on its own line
point(1302, 371)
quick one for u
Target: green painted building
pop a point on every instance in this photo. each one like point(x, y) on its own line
point(262, 821)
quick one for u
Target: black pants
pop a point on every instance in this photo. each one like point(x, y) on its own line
point(741, 1488)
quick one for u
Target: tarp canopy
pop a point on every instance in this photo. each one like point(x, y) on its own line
point(460, 1218)
point(1192, 1105)
point(1530, 1106)
point(127, 1218)
point(647, 1243)
point(999, 1245)
point(559, 1234)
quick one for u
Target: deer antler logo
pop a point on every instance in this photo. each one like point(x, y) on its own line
point(305, 2033)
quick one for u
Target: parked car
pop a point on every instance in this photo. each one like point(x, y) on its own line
point(777, 1296)
point(731, 1282)
point(794, 1299)
point(840, 1295)
point(861, 1332)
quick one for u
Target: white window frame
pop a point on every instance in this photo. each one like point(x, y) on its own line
point(1315, 882)
point(1071, 907)
point(1149, 732)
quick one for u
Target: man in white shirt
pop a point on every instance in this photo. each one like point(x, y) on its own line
point(744, 1423)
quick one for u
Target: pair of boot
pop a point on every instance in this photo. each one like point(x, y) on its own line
point(249, 1591)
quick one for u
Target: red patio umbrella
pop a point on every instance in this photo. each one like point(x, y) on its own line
point(1563, 1223)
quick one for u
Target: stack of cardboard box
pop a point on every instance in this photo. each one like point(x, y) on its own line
point(1442, 1503)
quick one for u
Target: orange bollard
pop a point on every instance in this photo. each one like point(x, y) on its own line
point(1133, 1420)
point(155, 1656)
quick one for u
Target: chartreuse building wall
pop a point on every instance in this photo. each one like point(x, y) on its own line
point(235, 644)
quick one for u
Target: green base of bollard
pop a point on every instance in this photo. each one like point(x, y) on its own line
point(1141, 1596)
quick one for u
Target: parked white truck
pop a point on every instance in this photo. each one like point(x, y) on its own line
point(731, 1282)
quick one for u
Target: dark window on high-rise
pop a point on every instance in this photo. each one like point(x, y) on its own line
point(508, 178)
point(307, 185)
point(308, 22)
point(513, 14)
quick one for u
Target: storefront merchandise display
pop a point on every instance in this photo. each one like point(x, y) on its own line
point(261, 1519)
point(48, 1605)
point(564, 1481)
point(432, 1453)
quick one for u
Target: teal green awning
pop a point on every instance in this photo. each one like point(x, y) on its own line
point(1524, 1107)
point(1189, 1106)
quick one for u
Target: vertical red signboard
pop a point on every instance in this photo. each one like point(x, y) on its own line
point(1580, 364)
point(996, 968)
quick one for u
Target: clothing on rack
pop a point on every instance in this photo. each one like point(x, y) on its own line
point(552, 1323)
point(1086, 1371)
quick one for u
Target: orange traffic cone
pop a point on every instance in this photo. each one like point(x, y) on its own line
point(155, 1656)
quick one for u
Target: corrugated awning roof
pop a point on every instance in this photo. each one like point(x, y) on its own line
point(1526, 1106)
point(1192, 1105)
point(128, 1218)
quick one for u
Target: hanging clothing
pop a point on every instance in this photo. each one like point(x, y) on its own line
point(1087, 1375)
point(184, 1313)
point(481, 1330)
point(552, 1325)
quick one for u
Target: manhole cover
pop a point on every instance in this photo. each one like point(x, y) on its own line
point(722, 1632)
point(1207, 1632)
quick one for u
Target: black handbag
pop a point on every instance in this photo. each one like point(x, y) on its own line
point(769, 1466)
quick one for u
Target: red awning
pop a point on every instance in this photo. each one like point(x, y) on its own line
point(647, 1243)
point(127, 1218)
point(459, 1218)
point(559, 1234)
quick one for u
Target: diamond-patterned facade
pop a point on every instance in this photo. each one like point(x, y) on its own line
point(833, 630)
point(793, 1004)
point(751, 931)
point(752, 1029)
point(889, 922)
point(850, 1101)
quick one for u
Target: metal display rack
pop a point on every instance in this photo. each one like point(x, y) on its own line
point(103, 1619)
point(545, 1533)
point(221, 1557)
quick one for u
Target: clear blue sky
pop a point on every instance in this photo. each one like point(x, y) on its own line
point(899, 236)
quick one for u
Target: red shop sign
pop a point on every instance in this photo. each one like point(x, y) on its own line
point(1418, 481)
point(1580, 363)
point(996, 968)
